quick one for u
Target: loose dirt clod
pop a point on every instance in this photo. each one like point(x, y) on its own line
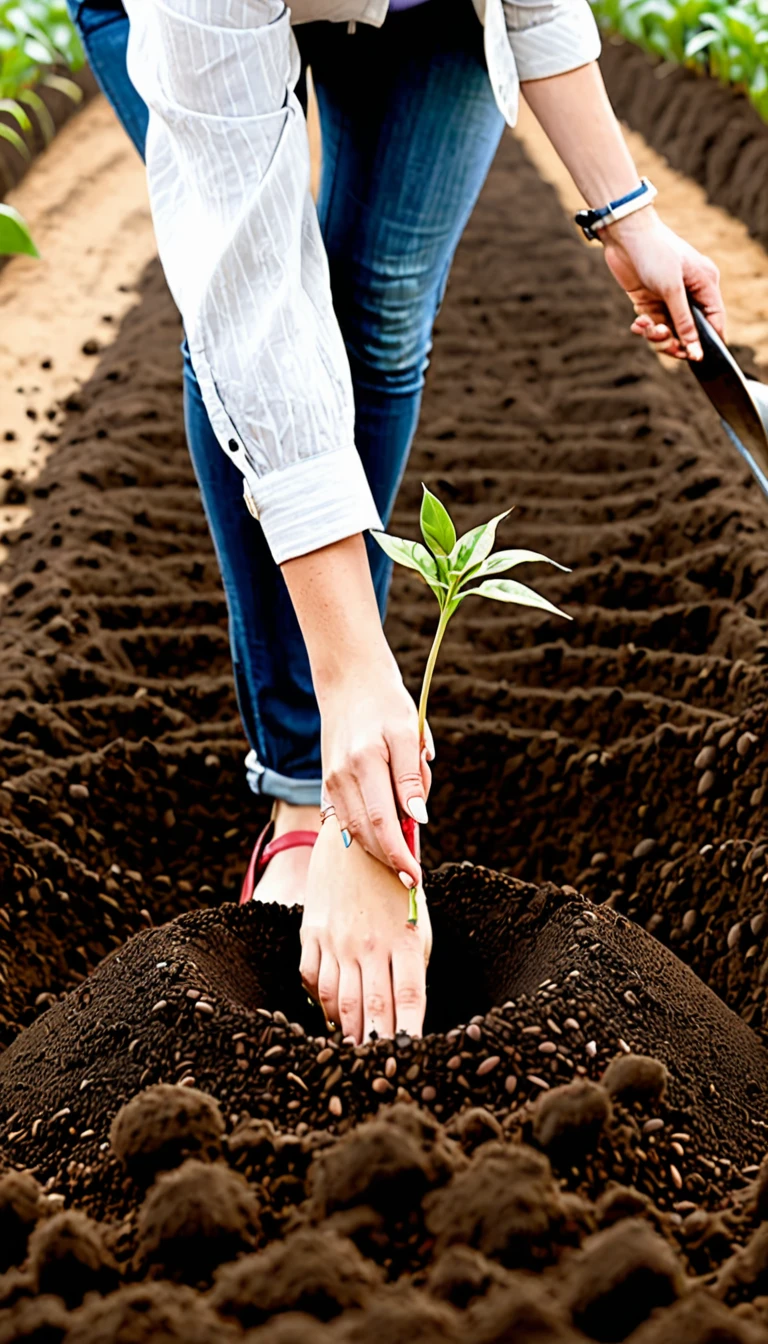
point(161, 1126)
point(619, 1277)
point(42, 1320)
point(505, 1204)
point(635, 1078)
point(149, 1313)
point(21, 1205)
point(68, 1258)
point(313, 1271)
point(571, 1117)
point(194, 1218)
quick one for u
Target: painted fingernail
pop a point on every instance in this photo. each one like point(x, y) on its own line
point(695, 351)
point(347, 838)
point(406, 880)
point(418, 810)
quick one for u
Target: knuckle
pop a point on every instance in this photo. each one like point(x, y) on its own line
point(326, 988)
point(357, 759)
point(409, 995)
point(368, 945)
point(410, 777)
point(348, 1005)
point(376, 818)
point(375, 1005)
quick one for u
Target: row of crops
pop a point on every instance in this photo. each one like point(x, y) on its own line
point(727, 41)
point(38, 46)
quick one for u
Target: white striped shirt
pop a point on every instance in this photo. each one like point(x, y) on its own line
point(237, 233)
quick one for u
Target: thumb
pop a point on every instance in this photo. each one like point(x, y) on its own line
point(683, 323)
point(406, 764)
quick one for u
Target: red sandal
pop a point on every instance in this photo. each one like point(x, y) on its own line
point(266, 849)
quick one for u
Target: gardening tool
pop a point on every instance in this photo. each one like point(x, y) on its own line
point(741, 402)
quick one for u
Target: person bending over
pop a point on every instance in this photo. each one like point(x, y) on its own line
point(308, 332)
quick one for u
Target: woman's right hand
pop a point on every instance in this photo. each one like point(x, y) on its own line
point(374, 769)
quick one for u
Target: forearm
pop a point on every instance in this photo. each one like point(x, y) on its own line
point(574, 112)
point(333, 597)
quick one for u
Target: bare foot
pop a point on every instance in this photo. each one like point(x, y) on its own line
point(285, 877)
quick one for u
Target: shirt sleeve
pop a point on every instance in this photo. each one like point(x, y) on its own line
point(228, 169)
point(551, 37)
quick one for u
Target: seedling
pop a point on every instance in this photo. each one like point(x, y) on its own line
point(14, 234)
point(727, 39)
point(37, 40)
point(449, 565)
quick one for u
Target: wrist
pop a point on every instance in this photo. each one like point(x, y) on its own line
point(634, 226)
point(337, 673)
point(596, 220)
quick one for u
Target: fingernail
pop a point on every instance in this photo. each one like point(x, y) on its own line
point(429, 755)
point(418, 810)
point(406, 880)
point(695, 351)
point(347, 838)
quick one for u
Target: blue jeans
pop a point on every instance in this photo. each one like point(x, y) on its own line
point(409, 131)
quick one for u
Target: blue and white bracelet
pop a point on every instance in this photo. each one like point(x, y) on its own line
point(592, 221)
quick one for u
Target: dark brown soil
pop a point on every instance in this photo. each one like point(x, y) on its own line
point(703, 128)
point(576, 1142)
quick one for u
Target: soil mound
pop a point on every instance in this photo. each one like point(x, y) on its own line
point(572, 989)
point(503, 1178)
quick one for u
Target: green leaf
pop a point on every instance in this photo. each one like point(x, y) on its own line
point(44, 118)
point(66, 86)
point(507, 590)
point(504, 560)
point(436, 526)
point(14, 234)
point(699, 42)
point(16, 111)
point(13, 138)
point(474, 546)
point(409, 553)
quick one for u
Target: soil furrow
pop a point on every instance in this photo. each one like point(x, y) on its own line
point(622, 755)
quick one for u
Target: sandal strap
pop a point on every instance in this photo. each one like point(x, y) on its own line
point(291, 840)
point(266, 848)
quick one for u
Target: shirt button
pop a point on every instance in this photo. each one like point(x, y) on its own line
point(233, 445)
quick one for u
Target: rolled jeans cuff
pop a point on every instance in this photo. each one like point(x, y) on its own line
point(298, 792)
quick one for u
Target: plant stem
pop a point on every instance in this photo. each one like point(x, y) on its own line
point(445, 614)
point(429, 669)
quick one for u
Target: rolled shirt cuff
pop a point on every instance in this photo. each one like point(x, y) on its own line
point(312, 503)
point(567, 40)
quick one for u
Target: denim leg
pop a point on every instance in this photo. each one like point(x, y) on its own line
point(272, 675)
point(103, 28)
point(271, 667)
point(410, 128)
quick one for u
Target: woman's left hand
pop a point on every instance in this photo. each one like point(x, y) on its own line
point(659, 272)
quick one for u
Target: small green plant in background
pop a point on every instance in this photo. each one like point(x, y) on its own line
point(722, 38)
point(37, 44)
point(456, 568)
point(14, 234)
